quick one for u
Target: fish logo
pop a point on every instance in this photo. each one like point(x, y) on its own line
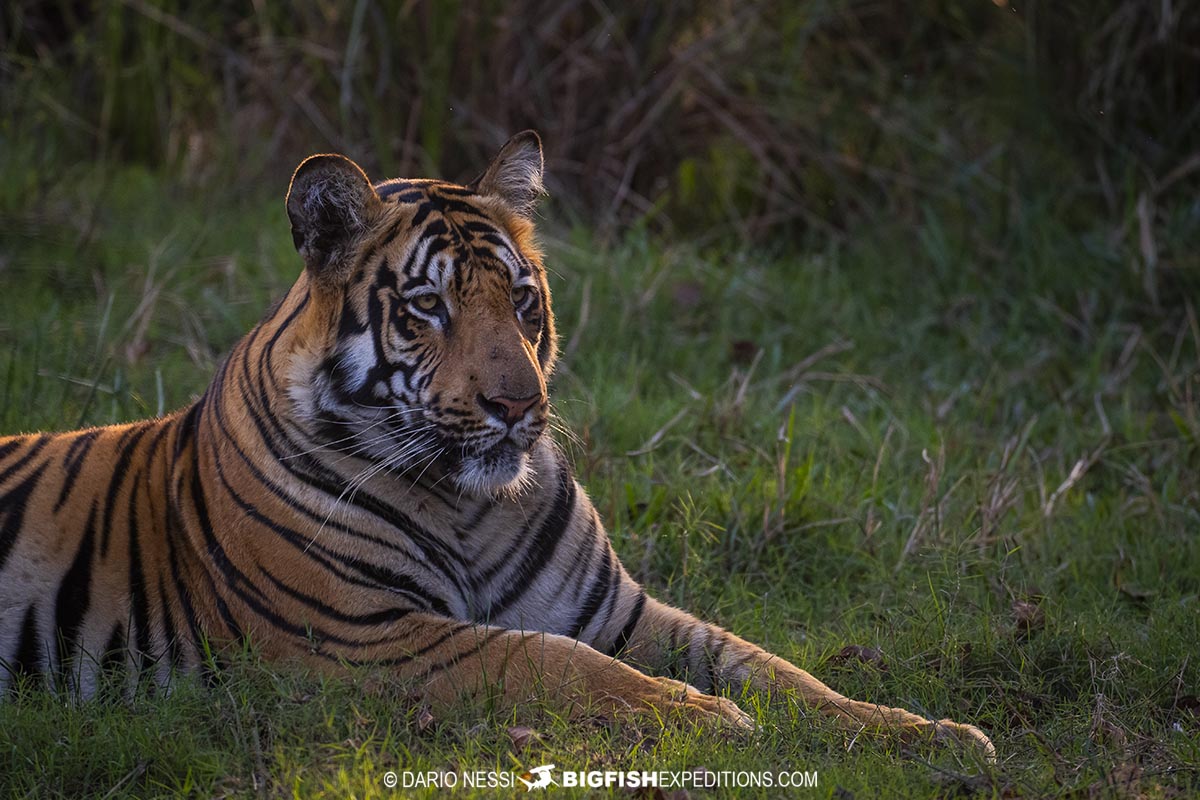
point(537, 778)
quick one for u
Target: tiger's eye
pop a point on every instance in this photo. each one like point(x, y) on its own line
point(519, 295)
point(426, 302)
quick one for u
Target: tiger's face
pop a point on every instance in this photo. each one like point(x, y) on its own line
point(438, 336)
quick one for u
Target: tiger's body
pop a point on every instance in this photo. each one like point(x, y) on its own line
point(366, 480)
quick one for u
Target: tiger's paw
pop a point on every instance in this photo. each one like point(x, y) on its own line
point(681, 700)
point(669, 701)
point(968, 736)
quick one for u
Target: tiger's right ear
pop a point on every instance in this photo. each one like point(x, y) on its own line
point(330, 203)
point(515, 174)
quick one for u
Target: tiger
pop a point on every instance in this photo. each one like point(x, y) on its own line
point(368, 479)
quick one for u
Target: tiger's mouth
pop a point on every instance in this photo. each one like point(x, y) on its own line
point(490, 462)
point(502, 468)
point(501, 456)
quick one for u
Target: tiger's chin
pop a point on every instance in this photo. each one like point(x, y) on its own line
point(503, 470)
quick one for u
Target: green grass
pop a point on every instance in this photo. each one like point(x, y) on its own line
point(975, 452)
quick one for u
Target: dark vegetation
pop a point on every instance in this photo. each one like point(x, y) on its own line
point(760, 119)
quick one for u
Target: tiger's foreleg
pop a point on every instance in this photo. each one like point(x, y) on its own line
point(453, 660)
point(667, 640)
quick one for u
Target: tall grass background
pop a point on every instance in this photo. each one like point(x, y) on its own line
point(755, 120)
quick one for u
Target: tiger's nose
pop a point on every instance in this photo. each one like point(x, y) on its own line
point(508, 410)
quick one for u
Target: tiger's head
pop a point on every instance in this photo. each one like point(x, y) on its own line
point(429, 337)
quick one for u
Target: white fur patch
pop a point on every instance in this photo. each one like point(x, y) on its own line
point(480, 476)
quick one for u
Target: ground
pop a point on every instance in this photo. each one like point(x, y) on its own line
point(947, 476)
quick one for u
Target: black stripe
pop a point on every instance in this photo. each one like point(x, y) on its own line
point(448, 205)
point(393, 581)
point(542, 549)
point(455, 628)
point(386, 189)
point(376, 577)
point(113, 660)
point(27, 660)
point(242, 586)
point(158, 465)
point(25, 459)
point(11, 446)
point(480, 226)
point(622, 641)
point(455, 191)
point(599, 591)
point(432, 551)
point(326, 610)
point(75, 592)
point(138, 599)
point(186, 426)
point(349, 324)
point(73, 462)
point(175, 529)
point(482, 576)
point(235, 630)
point(609, 606)
point(129, 442)
point(419, 217)
point(574, 579)
point(13, 505)
point(233, 576)
point(475, 521)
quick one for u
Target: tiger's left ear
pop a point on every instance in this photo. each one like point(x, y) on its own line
point(515, 174)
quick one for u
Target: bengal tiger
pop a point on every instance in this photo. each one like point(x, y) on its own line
point(368, 479)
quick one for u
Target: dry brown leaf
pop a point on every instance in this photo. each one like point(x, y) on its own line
point(1028, 616)
point(522, 736)
point(1121, 781)
point(862, 654)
